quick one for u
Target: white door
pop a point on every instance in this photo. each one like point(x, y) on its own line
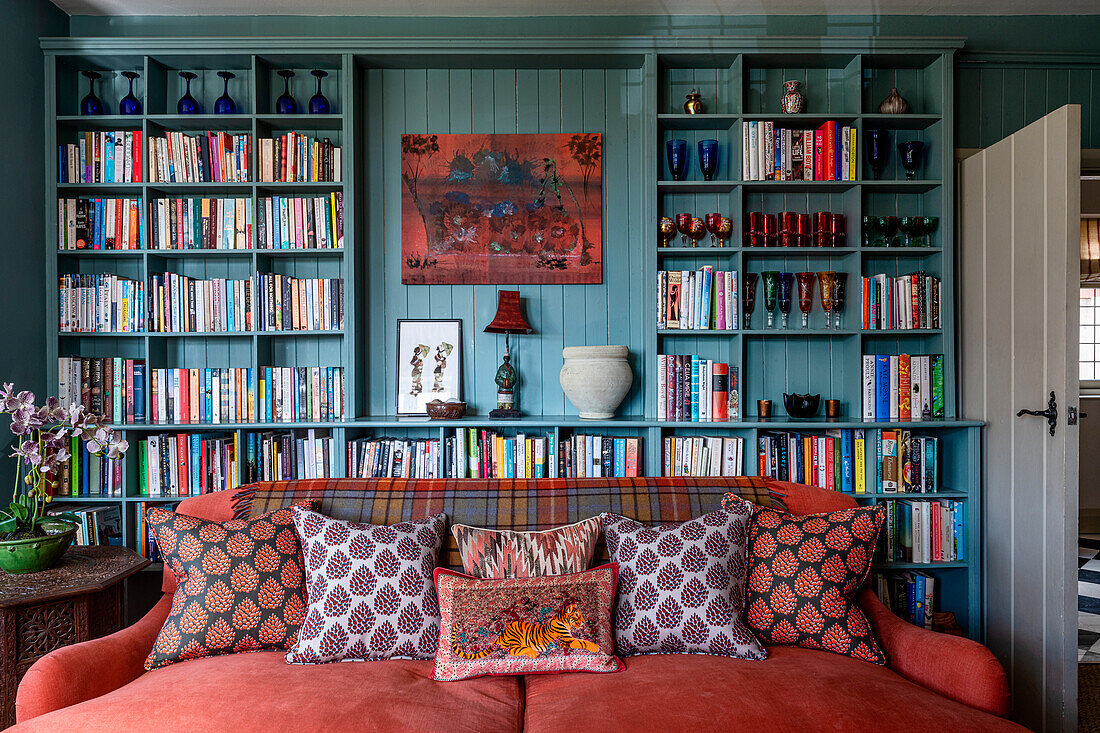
point(1019, 212)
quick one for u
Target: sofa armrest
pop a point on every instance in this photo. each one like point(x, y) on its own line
point(953, 666)
point(80, 672)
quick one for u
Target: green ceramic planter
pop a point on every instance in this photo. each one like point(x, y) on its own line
point(32, 554)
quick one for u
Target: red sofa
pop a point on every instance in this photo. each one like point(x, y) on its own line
point(933, 682)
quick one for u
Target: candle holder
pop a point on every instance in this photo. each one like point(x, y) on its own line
point(832, 408)
point(764, 408)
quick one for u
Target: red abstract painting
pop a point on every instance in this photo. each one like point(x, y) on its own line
point(501, 209)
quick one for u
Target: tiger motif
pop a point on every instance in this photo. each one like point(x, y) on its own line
point(530, 639)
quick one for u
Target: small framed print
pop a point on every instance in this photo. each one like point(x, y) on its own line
point(429, 363)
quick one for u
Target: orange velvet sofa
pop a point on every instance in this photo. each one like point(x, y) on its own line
point(933, 682)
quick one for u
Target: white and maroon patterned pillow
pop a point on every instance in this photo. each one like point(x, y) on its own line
point(682, 586)
point(502, 553)
point(369, 589)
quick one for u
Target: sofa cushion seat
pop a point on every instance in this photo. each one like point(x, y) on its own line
point(793, 690)
point(261, 692)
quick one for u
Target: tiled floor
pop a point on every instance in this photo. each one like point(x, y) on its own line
point(1088, 599)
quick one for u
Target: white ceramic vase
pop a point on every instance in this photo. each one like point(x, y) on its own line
point(596, 379)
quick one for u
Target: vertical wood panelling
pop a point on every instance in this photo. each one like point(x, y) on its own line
point(506, 101)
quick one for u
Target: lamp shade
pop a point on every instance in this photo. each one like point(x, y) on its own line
point(509, 317)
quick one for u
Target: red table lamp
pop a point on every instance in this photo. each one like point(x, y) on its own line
point(509, 319)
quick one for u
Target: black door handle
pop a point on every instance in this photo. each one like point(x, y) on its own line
point(1051, 413)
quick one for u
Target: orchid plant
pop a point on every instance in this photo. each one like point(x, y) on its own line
point(43, 439)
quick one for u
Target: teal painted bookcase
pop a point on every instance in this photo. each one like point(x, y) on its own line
point(630, 89)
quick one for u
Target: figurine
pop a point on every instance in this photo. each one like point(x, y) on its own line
point(506, 384)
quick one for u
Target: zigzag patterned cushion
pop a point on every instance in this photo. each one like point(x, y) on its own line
point(493, 553)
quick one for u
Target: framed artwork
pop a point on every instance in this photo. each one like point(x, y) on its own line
point(429, 363)
point(501, 209)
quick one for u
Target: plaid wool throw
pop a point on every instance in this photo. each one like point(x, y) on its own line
point(522, 505)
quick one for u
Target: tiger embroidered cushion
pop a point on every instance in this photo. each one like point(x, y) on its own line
point(493, 553)
point(804, 572)
point(681, 586)
point(369, 589)
point(555, 623)
point(240, 585)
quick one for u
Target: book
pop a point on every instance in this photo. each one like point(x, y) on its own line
point(905, 387)
point(702, 455)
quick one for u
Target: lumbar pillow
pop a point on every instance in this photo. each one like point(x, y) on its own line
point(681, 586)
point(493, 553)
point(369, 588)
point(804, 572)
point(240, 585)
point(556, 623)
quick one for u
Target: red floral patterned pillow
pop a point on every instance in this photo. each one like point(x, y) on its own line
point(804, 572)
point(241, 586)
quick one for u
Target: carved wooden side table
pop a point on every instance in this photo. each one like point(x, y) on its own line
point(79, 599)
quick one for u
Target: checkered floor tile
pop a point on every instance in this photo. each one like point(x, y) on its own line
point(1088, 599)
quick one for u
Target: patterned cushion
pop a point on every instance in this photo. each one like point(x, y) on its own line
point(523, 505)
point(494, 553)
point(556, 623)
point(370, 589)
point(804, 572)
point(681, 586)
point(240, 585)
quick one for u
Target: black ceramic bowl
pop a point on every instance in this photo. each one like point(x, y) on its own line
point(801, 405)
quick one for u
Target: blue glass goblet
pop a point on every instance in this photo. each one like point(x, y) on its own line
point(187, 105)
point(910, 157)
point(130, 105)
point(318, 105)
point(708, 158)
point(878, 151)
point(224, 105)
point(285, 104)
point(676, 150)
point(91, 105)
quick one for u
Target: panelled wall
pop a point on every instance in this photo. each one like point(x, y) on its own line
point(513, 100)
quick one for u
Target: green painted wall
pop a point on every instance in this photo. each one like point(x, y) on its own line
point(23, 285)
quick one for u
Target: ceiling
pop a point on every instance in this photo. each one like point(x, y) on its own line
point(513, 8)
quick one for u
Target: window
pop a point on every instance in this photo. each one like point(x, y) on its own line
point(1090, 339)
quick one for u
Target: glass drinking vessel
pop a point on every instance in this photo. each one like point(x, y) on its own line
point(666, 230)
point(748, 301)
point(224, 105)
point(827, 282)
point(285, 104)
point(929, 224)
point(878, 151)
point(840, 290)
point(708, 158)
point(676, 151)
point(91, 105)
point(187, 105)
point(910, 157)
point(130, 105)
point(786, 293)
point(871, 234)
point(713, 220)
point(683, 225)
point(318, 104)
point(771, 286)
point(805, 295)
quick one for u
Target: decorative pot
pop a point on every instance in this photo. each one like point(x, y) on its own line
point(33, 554)
point(793, 100)
point(894, 104)
point(694, 104)
point(801, 405)
point(596, 379)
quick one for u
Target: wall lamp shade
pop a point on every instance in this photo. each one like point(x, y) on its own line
point(509, 317)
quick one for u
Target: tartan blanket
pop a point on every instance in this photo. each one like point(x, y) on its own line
point(522, 505)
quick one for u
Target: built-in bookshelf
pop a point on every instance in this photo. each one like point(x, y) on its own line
point(631, 90)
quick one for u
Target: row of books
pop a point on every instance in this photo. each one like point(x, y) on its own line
point(101, 157)
point(187, 464)
point(697, 299)
point(285, 303)
point(95, 525)
point(109, 386)
point(206, 157)
point(693, 389)
point(100, 223)
point(924, 531)
point(279, 456)
point(905, 302)
point(297, 157)
point(902, 387)
point(838, 460)
point(770, 153)
point(910, 595)
point(392, 458)
point(296, 222)
point(100, 303)
point(703, 455)
point(181, 304)
point(474, 453)
point(200, 223)
point(146, 542)
point(287, 394)
point(196, 396)
point(87, 474)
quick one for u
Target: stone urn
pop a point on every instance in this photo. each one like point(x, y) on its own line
point(596, 379)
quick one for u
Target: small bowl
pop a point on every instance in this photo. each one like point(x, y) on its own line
point(801, 405)
point(440, 410)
